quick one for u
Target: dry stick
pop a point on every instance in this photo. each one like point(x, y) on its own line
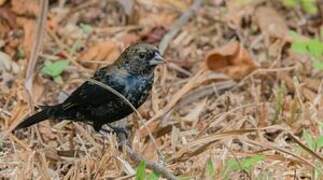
point(175, 28)
point(135, 156)
point(38, 36)
point(151, 165)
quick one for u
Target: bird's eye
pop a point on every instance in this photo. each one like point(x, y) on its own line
point(142, 55)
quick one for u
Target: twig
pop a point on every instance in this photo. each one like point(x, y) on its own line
point(151, 165)
point(175, 28)
point(135, 156)
point(37, 40)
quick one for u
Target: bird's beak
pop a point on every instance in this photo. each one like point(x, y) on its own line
point(157, 60)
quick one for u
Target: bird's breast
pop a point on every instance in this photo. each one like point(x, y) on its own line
point(137, 90)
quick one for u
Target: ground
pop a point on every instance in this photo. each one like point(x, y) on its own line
point(240, 96)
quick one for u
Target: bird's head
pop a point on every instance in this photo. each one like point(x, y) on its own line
point(140, 58)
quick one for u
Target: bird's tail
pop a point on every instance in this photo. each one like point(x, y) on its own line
point(45, 113)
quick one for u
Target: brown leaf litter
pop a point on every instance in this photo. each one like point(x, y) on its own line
point(106, 51)
point(231, 59)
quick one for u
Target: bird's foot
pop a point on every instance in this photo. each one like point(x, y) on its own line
point(119, 131)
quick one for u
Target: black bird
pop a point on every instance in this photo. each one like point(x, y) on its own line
point(132, 75)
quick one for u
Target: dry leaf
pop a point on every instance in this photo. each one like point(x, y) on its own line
point(154, 35)
point(38, 89)
point(239, 9)
point(106, 51)
point(29, 27)
point(165, 19)
point(150, 151)
point(271, 22)
point(8, 16)
point(6, 64)
point(23, 7)
point(2, 2)
point(178, 4)
point(231, 59)
point(129, 39)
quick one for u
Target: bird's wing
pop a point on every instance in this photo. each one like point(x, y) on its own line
point(92, 94)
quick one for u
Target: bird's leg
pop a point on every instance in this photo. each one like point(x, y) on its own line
point(119, 130)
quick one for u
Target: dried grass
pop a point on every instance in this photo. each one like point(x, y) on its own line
point(194, 115)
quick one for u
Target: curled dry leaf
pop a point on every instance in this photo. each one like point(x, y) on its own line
point(106, 51)
point(231, 59)
point(271, 22)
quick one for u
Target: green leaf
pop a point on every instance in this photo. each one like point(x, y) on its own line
point(309, 6)
point(310, 47)
point(86, 28)
point(76, 46)
point(290, 3)
point(315, 48)
point(54, 69)
point(318, 64)
point(153, 176)
point(245, 164)
point(21, 53)
point(309, 140)
point(140, 171)
point(250, 162)
point(319, 142)
point(210, 168)
point(299, 47)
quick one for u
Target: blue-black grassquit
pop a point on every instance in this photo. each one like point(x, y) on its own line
point(132, 75)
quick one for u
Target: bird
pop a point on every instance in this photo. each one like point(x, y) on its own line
point(131, 75)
